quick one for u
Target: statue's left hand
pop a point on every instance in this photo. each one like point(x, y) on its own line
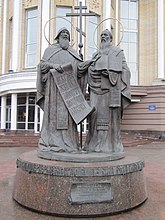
point(44, 78)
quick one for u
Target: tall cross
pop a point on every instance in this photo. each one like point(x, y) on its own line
point(80, 14)
point(81, 33)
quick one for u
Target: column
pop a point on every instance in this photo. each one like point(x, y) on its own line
point(107, 14)
point(41, 117)
point(3, 112)
point(4, 36)
point(116, 23)
point(13, 111)
point(161, 39)
point(16, 38)
point(45, 16)
point(36, 118)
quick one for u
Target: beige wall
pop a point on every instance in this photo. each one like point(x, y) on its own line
point(138, 116)
point(95, 6)
point(65, 2)
point(164, 38)
point(30, 3)
point(147, 41)
point(1, 32)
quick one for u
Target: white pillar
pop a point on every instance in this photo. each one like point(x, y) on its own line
point(107, 14)
point(3, 112)
point(161, 39)
point(4, 37)
point(13, 111)
point(117, 23)
point(16, 39)
point(45, 16)
point(36, 118)
point(41, 117)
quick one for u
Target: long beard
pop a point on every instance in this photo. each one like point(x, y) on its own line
point(64, 43)
point(105, 44)
point(104, 47)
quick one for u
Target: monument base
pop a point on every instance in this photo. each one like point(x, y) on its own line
point(81, 156)
point(79, 189)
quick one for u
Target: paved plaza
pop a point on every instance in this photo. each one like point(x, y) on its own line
point(153, 154)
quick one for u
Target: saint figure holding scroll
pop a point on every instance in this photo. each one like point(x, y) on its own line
point(59, 130)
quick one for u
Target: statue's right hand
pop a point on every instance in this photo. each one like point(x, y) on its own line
point(59, 69)
point(93, 60)
point(96, 58)
point(45, 67)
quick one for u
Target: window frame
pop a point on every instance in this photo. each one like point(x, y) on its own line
point(26, 53)
point(128, 30)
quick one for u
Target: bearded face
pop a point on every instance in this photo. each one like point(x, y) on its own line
point(105, 44)
point(64, 40)
point(105, 39)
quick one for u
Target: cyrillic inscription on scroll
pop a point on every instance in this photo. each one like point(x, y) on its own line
point(95, 192)
point(71, 93)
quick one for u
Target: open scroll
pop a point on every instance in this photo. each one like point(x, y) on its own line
point(71, 93)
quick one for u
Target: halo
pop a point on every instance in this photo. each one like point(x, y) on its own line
point(53, 19)
point(101, 23)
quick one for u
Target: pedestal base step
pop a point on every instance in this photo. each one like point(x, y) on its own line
point(79, 189)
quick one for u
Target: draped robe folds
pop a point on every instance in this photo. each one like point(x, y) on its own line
point(59, 131)
point(109, 82)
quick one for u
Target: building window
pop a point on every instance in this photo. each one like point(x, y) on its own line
point(8, 112)
point(21, 111)
point(84, 127)
point(60, 23)
point(129, 20)
point(26, 111)
point(31, 112)
point(92, 34)
point(31, 38)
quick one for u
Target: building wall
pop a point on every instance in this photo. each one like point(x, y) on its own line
point(147, 112)
point(147, 41)
point(1, 32)
point(164, 37)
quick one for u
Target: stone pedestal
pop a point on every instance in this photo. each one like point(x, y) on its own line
point(79, 189)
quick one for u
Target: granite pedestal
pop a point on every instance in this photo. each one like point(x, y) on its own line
point(79, 189)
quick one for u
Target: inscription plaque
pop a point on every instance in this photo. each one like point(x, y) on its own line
point(77, 171)
point(94, 192)
point(71, 94)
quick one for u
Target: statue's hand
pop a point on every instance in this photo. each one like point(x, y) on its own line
point(44, 77)
point(96, 58)
point(93, 60)
point(105, 73)
point(45, 67)
point(59, 69)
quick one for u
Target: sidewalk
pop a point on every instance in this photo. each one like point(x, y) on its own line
point(152, 151)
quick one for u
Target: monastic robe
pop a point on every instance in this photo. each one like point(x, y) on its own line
point(109, 82)
point(59, 131)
